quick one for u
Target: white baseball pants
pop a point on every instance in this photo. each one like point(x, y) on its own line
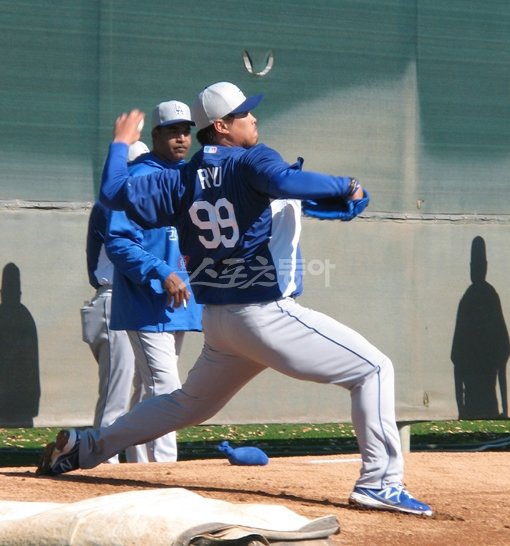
point(240, 341)
point(156, 356)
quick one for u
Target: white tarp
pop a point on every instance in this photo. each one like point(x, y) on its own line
point(169, 517)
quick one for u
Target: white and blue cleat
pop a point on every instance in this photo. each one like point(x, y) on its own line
point(394, 498)
point(61, 455)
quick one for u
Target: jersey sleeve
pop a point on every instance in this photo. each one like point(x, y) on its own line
point(271, 175)
point(124, 247)
point(150, 200)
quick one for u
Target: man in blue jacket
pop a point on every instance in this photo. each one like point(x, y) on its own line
point(147, 261)
point(118, 385)
point(111, 348)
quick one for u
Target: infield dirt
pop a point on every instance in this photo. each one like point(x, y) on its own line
point(469, 492)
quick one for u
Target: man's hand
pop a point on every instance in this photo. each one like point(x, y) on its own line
point(176, 290)
point(128, 127)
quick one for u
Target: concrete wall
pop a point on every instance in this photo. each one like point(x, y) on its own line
point(397, 280)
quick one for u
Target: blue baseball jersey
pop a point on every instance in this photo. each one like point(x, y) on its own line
point(237, 212)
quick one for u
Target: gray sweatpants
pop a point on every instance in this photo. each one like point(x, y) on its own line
point(114, 356)
point(240, 341)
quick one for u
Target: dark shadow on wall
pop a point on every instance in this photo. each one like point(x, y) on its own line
point(480, 346)
point(20, 388)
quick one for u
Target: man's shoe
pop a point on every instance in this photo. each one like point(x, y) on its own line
point(394, 498)
point(61, 455)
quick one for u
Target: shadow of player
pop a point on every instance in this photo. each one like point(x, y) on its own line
point(20, 389)
point(480, 345)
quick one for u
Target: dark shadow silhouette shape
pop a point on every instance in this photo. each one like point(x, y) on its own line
point(480, 345)
point(20, 388)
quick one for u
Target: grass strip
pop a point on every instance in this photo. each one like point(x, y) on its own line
point(21, 446)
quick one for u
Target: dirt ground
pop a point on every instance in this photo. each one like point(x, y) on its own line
point(469, 492)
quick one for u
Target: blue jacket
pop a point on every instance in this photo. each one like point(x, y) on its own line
point(143, 259)
point(237, 212)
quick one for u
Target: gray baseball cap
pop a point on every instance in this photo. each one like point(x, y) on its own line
point(170, 112)
point(219, 100)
